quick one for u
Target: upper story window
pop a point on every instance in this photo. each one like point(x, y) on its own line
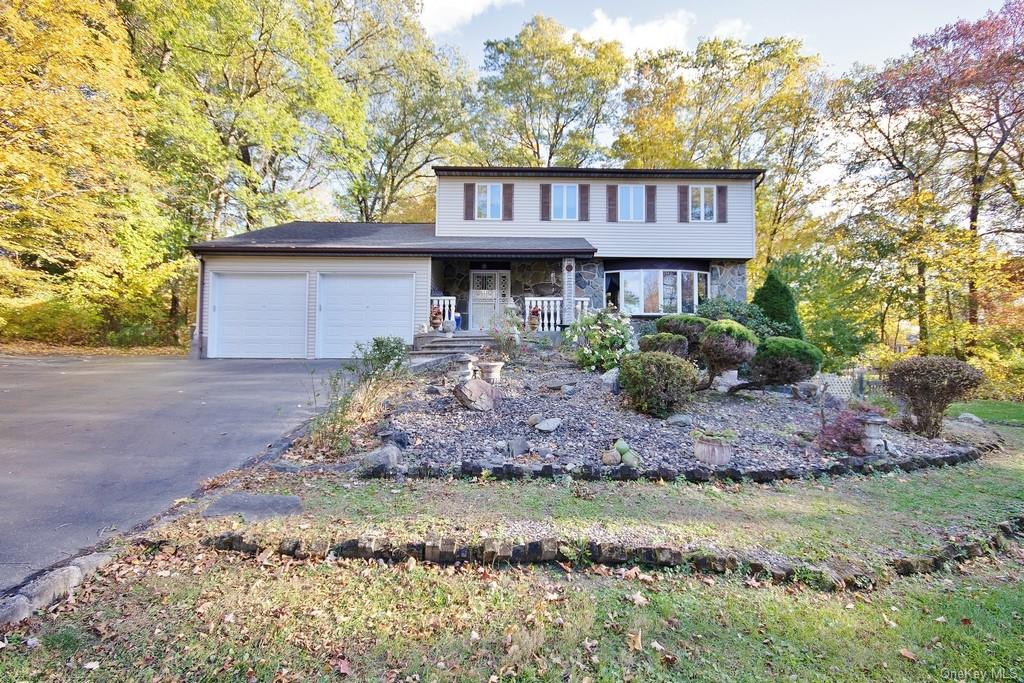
point(564, 202)
point(488, 201)
point(631, 202)
point(702, 204)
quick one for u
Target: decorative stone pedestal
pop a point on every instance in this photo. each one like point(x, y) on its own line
point(872, 440)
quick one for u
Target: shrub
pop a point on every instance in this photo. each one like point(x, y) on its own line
point(844, 433)
point(666, 342)
point(929, 384)
point(725, 345)
point(781, 360)
point(599, 339)
point(749, 315)
point(689, 326)
point(508, 332)
point(655, 382)
point(54, 320)
point(383, 356)
point(775, 299)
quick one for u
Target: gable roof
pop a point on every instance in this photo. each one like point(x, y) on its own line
point(382, 239)
point(611, 173)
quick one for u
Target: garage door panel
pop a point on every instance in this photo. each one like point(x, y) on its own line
point(260, 316)
point(355, 308)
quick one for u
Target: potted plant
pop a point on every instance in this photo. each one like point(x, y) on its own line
point(436, 317)
point(534, 320)
point(713, 447)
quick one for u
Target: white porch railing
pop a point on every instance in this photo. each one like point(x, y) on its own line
point(446, 304)
point(550, 311)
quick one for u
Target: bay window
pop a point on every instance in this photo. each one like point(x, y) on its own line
point(655, 291)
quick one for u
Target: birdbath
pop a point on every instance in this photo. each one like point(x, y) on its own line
point(872, 440)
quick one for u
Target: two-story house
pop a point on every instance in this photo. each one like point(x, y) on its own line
point(552, 241)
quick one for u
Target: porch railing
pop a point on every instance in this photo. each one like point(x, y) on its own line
point(550, 311)
point(446, 304)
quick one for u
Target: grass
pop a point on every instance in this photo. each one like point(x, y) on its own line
point(1003, 412)
point(184, 612)
point(165, 617)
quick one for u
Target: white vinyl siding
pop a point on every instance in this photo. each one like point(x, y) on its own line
point(632, 202)
point(488, 201)
point(666, 238)
point(702, 204)
point(312, 267)
point(564, 202)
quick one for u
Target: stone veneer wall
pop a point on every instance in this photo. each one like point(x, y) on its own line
point(729, 279)
point(529, 278)
point(590, 281)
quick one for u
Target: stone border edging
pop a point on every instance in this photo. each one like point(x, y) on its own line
point(509, 470)
point(445, 551)
point(51, 586)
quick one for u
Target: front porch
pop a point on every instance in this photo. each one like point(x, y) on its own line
point(476, 294)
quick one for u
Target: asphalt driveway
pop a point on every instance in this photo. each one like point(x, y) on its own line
point(93, 446)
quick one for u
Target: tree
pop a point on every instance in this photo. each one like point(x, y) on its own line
point(545, 94)
point(776, 300)
point(80, 233)
point(414, 106)
point(730, 104)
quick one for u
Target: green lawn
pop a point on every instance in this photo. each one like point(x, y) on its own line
point(1005, 412)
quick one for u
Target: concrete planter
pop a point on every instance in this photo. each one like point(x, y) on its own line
point(490, 371)
point(713, 452)
point(872, 441)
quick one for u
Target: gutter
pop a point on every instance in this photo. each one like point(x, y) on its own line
point(450, 253)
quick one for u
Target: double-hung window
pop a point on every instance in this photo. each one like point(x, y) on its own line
point(488, 201)
point(564, 202)
point(631, 203)
point(702, 203)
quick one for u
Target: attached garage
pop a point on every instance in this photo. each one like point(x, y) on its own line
point(354, 308)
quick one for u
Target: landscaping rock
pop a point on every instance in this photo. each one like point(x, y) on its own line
point(610, 381)
point(518, 446)
point(548, 425)
point(611, 457)
point(534, 419)
point(434, 390)
point(52, 585)
point(971, 418)
point(381, 460)
point(253, 507)
point(969, 434)
point(568, 390)
point(630, 459)
point(679, 420)
point(14, 609)
point(477, 395)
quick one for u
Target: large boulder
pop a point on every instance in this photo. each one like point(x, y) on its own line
point(966, 434)
point(476, 394)
point(610, 381)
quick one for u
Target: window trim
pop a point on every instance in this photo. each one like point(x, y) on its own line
point(661, 283)
point(714, 204)
point(643, 202)
point(555, 187)
point(487, 211)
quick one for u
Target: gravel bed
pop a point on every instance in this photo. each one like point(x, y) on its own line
point(774, 430)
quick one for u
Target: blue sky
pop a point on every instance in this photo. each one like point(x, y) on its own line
point(843, 33)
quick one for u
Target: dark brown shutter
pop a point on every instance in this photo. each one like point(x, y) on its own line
point(469, 201)
point(507, 197)
point(613, 203)
point(584, 210)
point(721, 204)
point(545, 201)
point(650, 194)
point(684, 203)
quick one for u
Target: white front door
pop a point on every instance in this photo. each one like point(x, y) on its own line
point(489, 292)
point(258, 315)
point(354, 308)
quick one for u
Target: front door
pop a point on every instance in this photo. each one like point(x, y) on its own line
point(489, 292)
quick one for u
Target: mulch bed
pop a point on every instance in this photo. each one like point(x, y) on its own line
point(775, 431)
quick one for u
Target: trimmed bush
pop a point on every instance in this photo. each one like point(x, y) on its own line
point(689, 326)
point(845, 432)
point(929, 384)
point(782, 360)
point(598, 339)
point(655, 383)
point(725, 345)
point(666, 342)
point(776, 300)
point(749, 315)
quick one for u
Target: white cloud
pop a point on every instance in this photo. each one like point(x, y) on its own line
point(731, 28)
point(669, 30)
point(442, 16)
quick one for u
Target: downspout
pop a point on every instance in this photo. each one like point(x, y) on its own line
point(200, 351)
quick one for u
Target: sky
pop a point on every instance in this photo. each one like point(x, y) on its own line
point(843, 33)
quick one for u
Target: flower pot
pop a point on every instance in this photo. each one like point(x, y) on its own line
point(713, 452)
point(490, 371)
point(533, 323)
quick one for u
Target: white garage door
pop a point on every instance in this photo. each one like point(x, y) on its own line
point(258, 316)
point(356, 308)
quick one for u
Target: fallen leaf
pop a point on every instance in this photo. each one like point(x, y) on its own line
point(907, 654)
point(635, 640)
point(91, 666)
point(941, 620)
point(638, 599)
point(966, 622)
point(474, 636)
point(341, 665)
point(229, 618)
point(668, 660)
point(657, 647)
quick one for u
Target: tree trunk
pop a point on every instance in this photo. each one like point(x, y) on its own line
point(922, 308)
